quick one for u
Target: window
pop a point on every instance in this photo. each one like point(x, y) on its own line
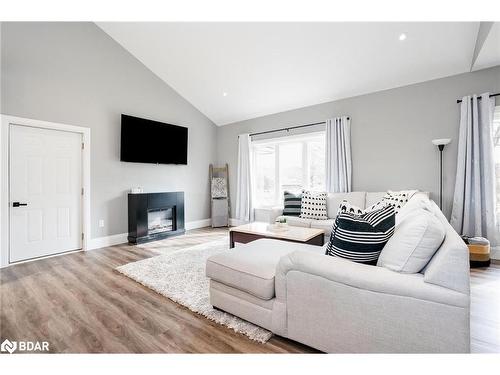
point(496, 145)
point(288, 163)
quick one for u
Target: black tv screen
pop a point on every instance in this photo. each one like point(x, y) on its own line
point(148, 141)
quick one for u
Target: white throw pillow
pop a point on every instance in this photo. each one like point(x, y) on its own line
point(396, 199)
point(419, 201)
point(414, 242)
point(313, 205)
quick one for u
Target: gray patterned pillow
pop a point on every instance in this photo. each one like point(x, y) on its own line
point(219, 187)
point(313, 205)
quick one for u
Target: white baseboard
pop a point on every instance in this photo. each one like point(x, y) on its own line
point(235, 222)
point(198, 224)
point(116, 239)
point(99, 242)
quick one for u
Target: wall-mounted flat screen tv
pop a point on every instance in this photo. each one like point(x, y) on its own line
point(148, 141)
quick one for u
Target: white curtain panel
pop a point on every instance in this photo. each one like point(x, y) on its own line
point(473, 212)
point(244, 209)
point(338, 155)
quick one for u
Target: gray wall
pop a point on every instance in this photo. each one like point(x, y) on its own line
point(391, 132)
point(74, 73)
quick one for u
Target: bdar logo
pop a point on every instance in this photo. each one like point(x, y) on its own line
point(8, 346)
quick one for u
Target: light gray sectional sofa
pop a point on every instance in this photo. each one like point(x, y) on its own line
point(339, 306)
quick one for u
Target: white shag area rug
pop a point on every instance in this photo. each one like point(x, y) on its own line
point(180, 276)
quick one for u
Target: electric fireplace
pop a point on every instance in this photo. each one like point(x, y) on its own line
point(161, 220)
point(154, 216)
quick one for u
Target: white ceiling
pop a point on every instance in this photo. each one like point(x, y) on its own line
point(490, 51)
point(273, 67)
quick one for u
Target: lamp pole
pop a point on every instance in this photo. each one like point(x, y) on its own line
point(440, 143)
point(441, 148)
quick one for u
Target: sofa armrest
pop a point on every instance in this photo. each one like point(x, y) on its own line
point(268, 214)
point(362, 276)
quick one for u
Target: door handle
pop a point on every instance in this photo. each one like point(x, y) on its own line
point(17, 204)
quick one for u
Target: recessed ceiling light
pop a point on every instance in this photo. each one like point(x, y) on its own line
point(402, 37)
point(224, 93)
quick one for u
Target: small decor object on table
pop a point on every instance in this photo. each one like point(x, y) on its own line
point(479, 251)
point(279, 225)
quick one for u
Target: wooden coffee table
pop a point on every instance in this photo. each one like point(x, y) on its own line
point(257, 230)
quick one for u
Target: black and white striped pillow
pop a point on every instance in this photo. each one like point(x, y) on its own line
point(360, 237)
point(292, 204)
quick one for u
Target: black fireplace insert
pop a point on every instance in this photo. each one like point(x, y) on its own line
point(154, 216)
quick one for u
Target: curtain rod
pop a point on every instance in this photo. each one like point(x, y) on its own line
point(491, 96)
point(289, 128)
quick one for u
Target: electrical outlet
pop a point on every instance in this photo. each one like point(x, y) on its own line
point(101, 223)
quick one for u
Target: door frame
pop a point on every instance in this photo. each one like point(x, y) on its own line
point(6, 121)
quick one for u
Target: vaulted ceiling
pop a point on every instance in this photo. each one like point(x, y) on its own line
point(237, 71)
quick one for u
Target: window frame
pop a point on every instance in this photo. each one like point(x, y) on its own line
point(303, 138)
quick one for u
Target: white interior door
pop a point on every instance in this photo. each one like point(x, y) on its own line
point(45, 192)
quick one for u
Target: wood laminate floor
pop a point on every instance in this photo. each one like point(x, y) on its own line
point(80, 304)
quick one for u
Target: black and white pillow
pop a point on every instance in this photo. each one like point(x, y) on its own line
point(313, 205)
point(396, 199)
point(292, 203)
point(345, 206)
point(360, 236)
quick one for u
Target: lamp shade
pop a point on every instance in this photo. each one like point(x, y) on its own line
point(441, 141)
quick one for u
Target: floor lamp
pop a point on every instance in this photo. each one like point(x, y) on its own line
point(440, 143)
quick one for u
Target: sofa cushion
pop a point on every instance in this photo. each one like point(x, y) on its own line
point(361, 238)
point(296, 221)
point(334, 200)
point(252, 267)
point(313, 205)
point(449, 267)
point(326, 225)
point(413, 244)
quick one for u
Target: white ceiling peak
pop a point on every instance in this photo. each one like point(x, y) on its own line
point(266, 68)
